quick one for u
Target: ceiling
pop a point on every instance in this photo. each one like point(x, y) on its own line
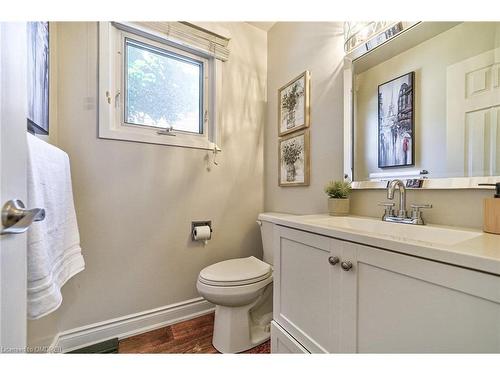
point(263, 25)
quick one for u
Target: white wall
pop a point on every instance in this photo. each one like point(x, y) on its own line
point(135, 202)
point(292, 48)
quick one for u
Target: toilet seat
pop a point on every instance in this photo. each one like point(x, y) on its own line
point(235, 272)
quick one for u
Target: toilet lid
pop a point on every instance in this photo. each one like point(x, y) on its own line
point(240, 271)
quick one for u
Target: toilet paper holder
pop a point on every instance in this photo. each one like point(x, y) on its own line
point(195, 224)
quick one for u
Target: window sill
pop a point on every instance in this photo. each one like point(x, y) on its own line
point(179, 140)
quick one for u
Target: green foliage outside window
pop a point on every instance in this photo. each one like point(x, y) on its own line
point(162, 90)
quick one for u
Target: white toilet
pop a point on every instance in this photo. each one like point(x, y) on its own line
point(241, 290)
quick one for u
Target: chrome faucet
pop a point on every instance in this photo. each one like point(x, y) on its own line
point(402, 195)
point(401, 217)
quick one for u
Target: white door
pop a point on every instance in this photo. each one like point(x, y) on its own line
point(473, 120)
point(12, 183)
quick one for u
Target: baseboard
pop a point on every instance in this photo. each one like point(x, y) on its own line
point(130, 325)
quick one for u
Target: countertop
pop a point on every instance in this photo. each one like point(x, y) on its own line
point(480, 253)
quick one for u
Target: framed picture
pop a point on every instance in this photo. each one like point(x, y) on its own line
point(38, 77)
point(293, 151)
point(293, 105)
point(396, 122)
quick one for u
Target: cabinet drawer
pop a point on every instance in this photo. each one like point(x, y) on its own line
point(283, 343)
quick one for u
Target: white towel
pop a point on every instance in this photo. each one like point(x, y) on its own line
point(54, 253)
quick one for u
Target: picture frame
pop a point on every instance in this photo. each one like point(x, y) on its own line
point(38, 60)
point(293, 105)
point(294, 159)
point(396, 122)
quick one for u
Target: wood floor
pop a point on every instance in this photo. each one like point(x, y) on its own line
point(191, 336)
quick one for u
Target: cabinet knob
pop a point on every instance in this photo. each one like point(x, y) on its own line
point(333, 260)
point(346, 266)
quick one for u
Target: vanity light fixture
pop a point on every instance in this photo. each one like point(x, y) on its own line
point(369, 34)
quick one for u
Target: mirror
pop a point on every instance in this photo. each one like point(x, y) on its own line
point(427, 104)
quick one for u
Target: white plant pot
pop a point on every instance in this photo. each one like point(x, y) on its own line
point(338, 207)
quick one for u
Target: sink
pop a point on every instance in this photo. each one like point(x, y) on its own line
point(429, 234)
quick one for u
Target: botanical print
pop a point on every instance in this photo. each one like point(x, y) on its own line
point(293, 105)
point(294, 154)
point(292, 99)
point(38, 77)
point(395, 122)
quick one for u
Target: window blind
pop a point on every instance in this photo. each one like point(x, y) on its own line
point(182, 33)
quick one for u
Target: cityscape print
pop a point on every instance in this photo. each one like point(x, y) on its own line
point(396, 122)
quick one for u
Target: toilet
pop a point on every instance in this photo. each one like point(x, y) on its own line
point(241, 290)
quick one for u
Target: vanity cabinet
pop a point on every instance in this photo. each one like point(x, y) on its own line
point(381, 302)
point(283, 342)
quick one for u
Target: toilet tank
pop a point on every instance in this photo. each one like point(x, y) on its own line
point(266, 231)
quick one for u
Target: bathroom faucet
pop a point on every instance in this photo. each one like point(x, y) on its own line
point(401, 217)
point(402, 195)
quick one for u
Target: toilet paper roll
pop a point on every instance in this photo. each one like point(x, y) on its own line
point(202, 233)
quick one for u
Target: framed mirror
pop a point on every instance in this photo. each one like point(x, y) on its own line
point(424, 107)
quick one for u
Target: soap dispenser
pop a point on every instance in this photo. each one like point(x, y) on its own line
point(492, 211)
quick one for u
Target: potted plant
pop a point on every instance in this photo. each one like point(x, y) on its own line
point(338, 197)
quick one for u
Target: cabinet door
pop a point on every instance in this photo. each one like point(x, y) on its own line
point(305, 287)
point(407, 304)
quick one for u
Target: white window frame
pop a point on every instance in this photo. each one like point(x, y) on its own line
point(112, 91)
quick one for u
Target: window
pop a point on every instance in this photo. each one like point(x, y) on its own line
point(153, 90)
point(162, 89)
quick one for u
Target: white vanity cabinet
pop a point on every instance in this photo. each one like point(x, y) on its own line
point(387, 302)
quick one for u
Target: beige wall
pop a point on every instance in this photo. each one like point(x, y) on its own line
point(463, 208)
point(135, 202)
point(429, 60)
point(292, 48)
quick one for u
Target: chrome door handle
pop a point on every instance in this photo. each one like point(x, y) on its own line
point(346, 266)
point(16, 219)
